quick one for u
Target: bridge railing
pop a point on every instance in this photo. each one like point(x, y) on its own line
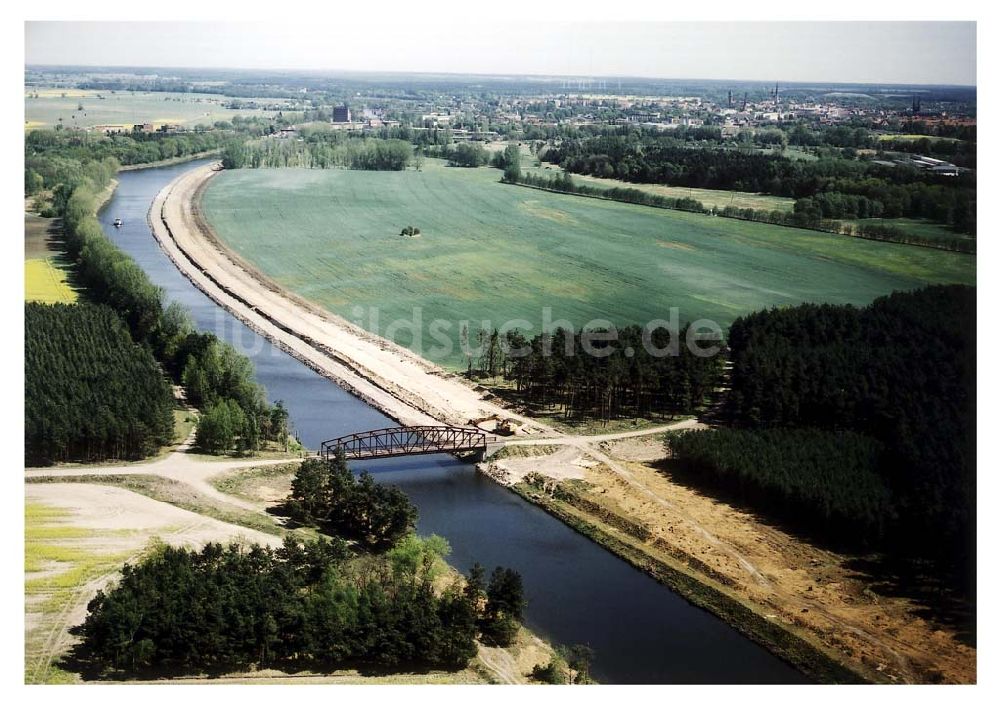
point(405, 440)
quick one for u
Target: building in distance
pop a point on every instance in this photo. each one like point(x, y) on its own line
point(342, 114)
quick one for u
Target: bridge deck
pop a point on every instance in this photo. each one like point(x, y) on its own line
point(406, 440)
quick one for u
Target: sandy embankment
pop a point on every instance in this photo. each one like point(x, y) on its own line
point(399, 383)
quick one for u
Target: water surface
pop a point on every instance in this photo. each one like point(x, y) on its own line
point(577, 592)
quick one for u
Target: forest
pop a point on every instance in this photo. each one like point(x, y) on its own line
point(825, 483)
point(606, 374)
point(218, 380)
point(829, 188)
point(313, 606)
point(900, 371)
point(90, 392)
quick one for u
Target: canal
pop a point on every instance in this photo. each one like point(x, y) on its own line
point(577, 592)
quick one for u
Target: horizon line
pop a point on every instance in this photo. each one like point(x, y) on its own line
point(617, 77)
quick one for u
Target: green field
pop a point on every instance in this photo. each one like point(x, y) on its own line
point(915, 226)
point(489, 251)
point(913, 137)
point(46, 276)
point(123, 108)
point(706, 196)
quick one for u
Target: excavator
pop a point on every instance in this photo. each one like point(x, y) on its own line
point(504, 426)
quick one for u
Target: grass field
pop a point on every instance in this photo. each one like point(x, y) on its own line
point(45, 281)
point(707, 196)
point(125, 108)
point(913, 137)
point(912, 226)
point(495, 252)
point(45, 278)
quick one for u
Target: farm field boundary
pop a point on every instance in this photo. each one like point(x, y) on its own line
point(842, 229)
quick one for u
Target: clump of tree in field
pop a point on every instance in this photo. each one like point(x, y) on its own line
point(467, 154)
point(90, 392)
point(509, 161)
point(325, 493)
point(409, 231)
point(299, 607)
point(321, 150)
point(500, 606)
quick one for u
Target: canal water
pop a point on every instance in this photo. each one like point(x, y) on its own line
point(577, 592)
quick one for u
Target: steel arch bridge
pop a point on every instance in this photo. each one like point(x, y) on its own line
point(406, 440)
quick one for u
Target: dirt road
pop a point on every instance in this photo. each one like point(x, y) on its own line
point(192, 470)
point(119, 524)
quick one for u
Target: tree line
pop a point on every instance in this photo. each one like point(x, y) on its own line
point(309, 606)
point(868, 231)
point(606, 375)
point(90, 392)
point(218, 380)
point(900, 371)
point(323, 150)
point(562, 182)
point(808, 212)
point(888, 192)
point(825, 483)
point(51, 156)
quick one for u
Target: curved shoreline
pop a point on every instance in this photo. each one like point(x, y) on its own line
point(393, 380)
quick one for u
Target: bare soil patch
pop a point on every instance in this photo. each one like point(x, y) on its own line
point(814, 591)
point(75, 554)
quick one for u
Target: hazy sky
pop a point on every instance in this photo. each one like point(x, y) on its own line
point(876, 52)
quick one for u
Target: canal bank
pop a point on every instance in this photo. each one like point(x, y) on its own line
point(640, 631)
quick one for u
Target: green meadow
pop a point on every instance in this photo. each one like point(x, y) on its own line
point(708, 197)
point(488, 251)
point(54, 106)
point(915, 226)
